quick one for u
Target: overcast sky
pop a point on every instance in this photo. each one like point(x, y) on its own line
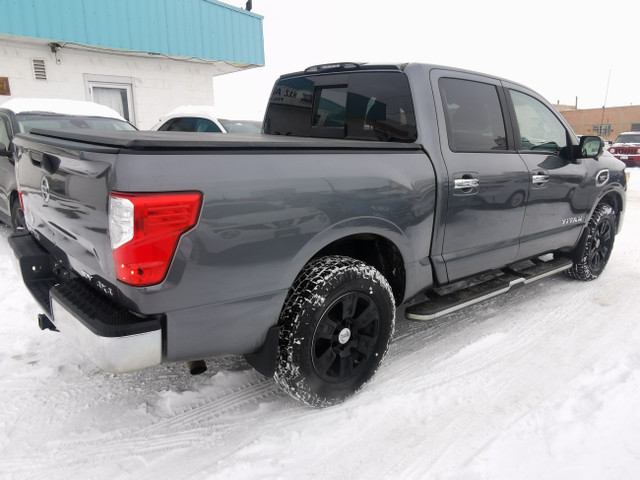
point(563, 49)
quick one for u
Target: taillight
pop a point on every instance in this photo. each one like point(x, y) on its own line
point(144, 229)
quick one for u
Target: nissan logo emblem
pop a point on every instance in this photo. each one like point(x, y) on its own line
point(44, 188)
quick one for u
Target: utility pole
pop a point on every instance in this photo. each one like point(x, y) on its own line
point(606, 94)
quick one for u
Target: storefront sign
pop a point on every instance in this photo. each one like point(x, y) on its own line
point(4, 86)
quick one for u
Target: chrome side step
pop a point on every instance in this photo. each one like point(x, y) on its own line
point(439, 305)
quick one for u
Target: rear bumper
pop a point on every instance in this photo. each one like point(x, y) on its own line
point(116, 339)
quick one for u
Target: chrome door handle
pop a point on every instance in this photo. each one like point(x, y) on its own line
point(466, 183)
point(540, 178)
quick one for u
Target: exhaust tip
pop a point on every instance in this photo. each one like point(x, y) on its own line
point(196, 367)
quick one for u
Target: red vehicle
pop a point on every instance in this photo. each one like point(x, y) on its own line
point(627, 148)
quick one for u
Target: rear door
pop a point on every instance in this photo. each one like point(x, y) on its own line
point(558, 194)
point(487, 182)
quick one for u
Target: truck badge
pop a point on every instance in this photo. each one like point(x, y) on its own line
point(44, 188)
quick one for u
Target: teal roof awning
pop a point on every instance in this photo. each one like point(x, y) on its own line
point(204, 29)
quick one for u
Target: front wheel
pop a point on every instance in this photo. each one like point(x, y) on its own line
point(593, 254)
point(335, 328)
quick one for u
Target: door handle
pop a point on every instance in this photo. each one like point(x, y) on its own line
point(460, 183)
point(540, 178)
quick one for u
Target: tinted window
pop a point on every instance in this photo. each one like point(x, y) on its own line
point(473, 115)
point(241, 126)
point(331, 108)
point(29, 121)
point(190, 124)
point(364, 105)
point(539, 127)
point(4, 132)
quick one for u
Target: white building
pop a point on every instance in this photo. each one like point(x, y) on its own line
point(140, 57)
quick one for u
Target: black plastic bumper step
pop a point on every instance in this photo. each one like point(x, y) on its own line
point(99, 314)
point(36, 267)
point(440, 305)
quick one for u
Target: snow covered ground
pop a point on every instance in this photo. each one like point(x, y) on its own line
point(540, 383)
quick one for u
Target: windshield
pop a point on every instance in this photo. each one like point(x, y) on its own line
point(29, 121)
point(628, 139)
point(241, 126)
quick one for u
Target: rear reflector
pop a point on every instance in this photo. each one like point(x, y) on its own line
point(144, 230)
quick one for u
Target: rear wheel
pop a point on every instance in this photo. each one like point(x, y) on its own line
point(593, 254)
point(335, 329)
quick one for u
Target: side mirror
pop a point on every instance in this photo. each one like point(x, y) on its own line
point(590, 147)
point(3, 151)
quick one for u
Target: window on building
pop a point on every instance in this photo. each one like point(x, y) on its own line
point(635, 127)
point(603, 129)
point(114, 92)
point(473, 115)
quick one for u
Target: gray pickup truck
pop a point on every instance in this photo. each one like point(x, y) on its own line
point(371, 187)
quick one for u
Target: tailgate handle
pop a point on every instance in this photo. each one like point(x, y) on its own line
point(50, 163)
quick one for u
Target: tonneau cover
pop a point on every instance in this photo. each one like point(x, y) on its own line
point(154, 140)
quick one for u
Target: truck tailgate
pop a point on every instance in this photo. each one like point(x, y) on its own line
point(65, 192)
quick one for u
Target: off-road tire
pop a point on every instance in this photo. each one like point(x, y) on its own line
point(335, 328)
point(592, 255)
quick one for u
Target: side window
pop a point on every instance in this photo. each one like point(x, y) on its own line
point(4, 132)
point(204, 125)
point(540, 130)
point(189, 124)
point(473, 115)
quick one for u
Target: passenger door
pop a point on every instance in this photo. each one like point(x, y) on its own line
point(488, 182)
point(558, 193)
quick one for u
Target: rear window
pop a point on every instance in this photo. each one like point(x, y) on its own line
point(364, 106)
point(29, 121)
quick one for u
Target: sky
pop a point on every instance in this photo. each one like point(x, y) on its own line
point(567, 51)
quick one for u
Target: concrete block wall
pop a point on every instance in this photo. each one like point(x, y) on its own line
point(159, 83)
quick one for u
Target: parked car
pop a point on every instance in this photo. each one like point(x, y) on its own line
point(202, 118)
point(21, 115)
point(627, 148)
point(373, 186)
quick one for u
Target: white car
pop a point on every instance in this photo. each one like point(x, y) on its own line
point(202, 118)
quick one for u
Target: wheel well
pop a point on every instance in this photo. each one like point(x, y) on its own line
point(376, 251)
point(614, 201)
point(13, 198)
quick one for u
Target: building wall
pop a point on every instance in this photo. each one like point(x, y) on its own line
point(158, 83)
point(607, 123)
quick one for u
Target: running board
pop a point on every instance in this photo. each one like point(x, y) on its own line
point(440, 305)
